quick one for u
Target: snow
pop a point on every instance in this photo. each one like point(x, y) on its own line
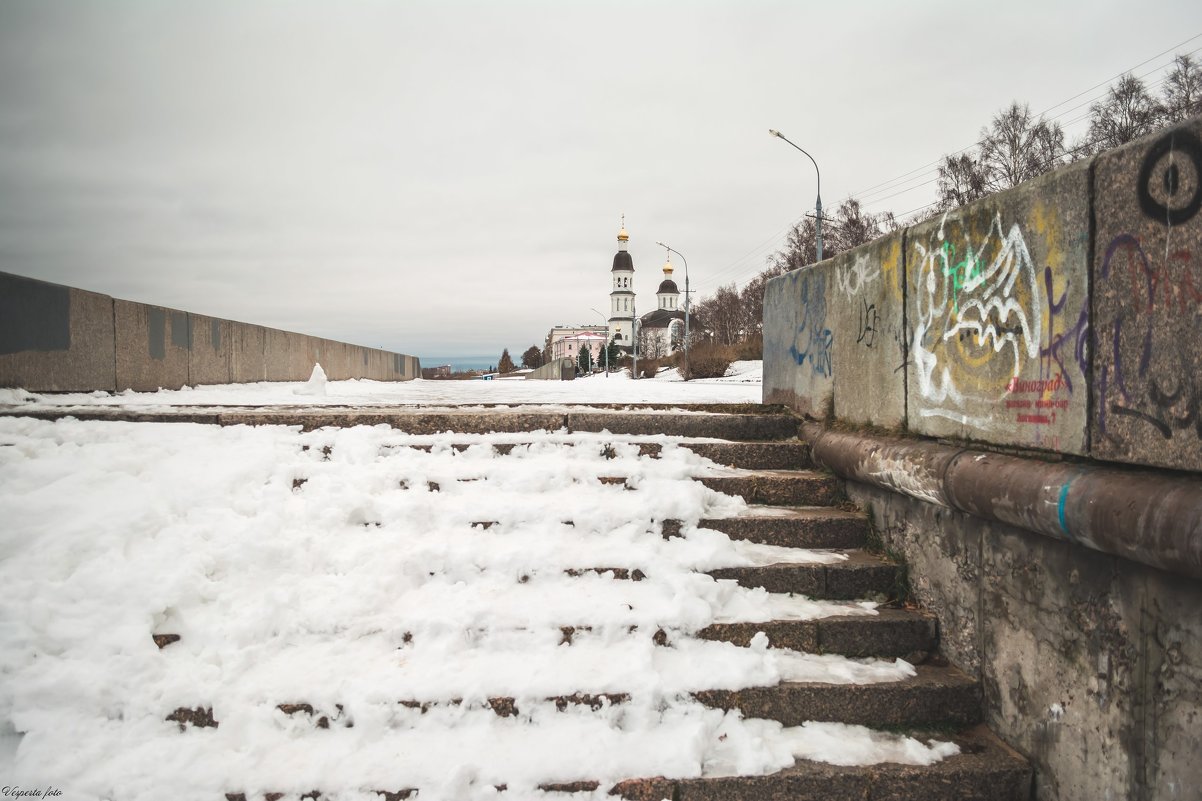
point(343, 569)
point(316, 385)
point(742, 384)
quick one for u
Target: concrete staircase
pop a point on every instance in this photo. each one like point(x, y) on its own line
point(793, 505)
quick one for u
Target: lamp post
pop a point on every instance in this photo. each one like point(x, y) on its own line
point(606, 345)
point(634, 340)
point(686, 304)
point(818, 205)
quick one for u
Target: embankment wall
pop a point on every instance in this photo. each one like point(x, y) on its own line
point(1036, 358)
point(56, 338)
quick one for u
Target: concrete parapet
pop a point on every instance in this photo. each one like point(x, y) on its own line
point(209, 350)
point(248, 346)
point(798, 365)
point(152, 346)
point(55, 338)
point(555, 370)
point(868, 337)
point(1147, 276)
point(998, 310)
point(1062, 315)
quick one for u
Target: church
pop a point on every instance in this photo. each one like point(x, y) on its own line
point(663, 327)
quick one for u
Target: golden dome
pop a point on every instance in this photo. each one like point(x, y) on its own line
point(622, 235)
point(668, 268)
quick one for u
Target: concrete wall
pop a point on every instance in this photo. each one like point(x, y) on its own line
point(1062, 319)
point(556, 370)
point(55, 338)
point(1064, 315)
point(1091, 664)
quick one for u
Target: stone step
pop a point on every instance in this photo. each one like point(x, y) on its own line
point(937, 696)
point(741, 427)
point(788, 455)
point(986, 769)
point(861, 576)
point(890, 633)
point(790, 527)
point(745, 455)
point(768, 425)
point(778, 487)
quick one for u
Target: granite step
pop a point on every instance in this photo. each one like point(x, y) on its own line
point(739, 427)
point(768, 425)
point(778, 487)
point(986, 769)
point(937, 696)
point(745, 455)
point(862, 576)
point(789, 527)
point(906, 633)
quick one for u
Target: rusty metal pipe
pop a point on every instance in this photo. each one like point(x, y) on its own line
point(1147, 516)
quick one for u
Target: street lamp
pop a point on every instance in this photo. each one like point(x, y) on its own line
point(686, 305)
point(818, 206)
point(606, 345)
point(634, 337)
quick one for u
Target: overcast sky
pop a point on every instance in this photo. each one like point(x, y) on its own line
point(448, 178)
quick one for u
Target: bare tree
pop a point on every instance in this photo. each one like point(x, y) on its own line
point(1127, 113)
point(1017, 147)
point(1182, 93)
point(962, 180)
point(722, 316)
point(651, 344)
point(852, 226)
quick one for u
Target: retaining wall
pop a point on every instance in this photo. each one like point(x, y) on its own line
point(1064, 315)
point(1060, 322)
point(1091, 664)
point(55, 338)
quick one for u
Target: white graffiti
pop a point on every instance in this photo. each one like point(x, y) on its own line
point(983, 298)
point(908, 478)
point(855, 276)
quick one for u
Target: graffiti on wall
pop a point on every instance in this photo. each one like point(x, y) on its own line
point(812, 341)
point(1148, 373)
point(855, 276)
point(992, 330)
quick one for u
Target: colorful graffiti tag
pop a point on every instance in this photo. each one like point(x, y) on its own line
point(979, 318)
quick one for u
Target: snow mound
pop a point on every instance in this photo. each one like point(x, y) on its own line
point(316, 385)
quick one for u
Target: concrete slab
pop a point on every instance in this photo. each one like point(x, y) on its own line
point(798, 338)
point(247, 344)
point(998, 311)
point(1147, 277)
point(152, 346)
point(867, 310)
point(54, 338)
point(209, 354)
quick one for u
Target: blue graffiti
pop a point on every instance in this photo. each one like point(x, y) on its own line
point(813, 339)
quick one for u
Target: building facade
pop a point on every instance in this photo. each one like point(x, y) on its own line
point(567, 340)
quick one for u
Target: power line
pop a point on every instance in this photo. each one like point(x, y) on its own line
point(920, 173)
